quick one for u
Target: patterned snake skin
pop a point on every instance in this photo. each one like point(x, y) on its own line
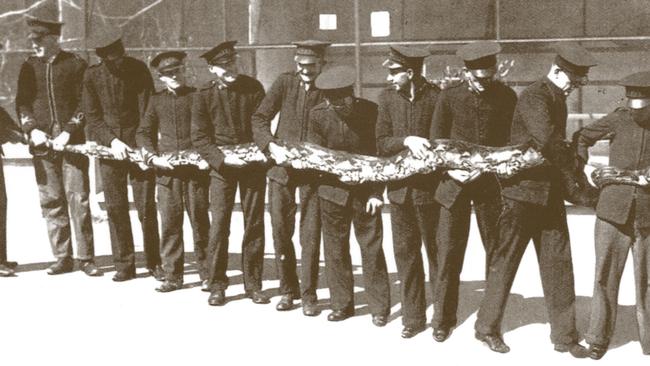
point(350, 168)
point(353, 168)
point(444, 154)
point(607, 175)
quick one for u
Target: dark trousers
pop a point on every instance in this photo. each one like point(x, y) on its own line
point(547, 227)
point(63, 189)
point(114, 179)
point(185, 189)
point(282, 200)
point(613, 242)
point(3, 215)
point(452, 236)
point(252, 184)
point(336, 221)
point(413, 225)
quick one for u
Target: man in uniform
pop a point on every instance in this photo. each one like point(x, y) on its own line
point(166, 129)
point(48, 103)
point(622, 215)
point(221, 115)
point(479, 110)
point(346, 123)
point(405, 121)
point(293, 95)
point(115, 96)
point(534, 208)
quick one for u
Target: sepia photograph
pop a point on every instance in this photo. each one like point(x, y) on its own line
point(324, 182)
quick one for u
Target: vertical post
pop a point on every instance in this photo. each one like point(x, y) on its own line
point(253, 17)
point(497, 20)
point(224, 28)
point(357, 50)
point(581, 95)
point(86, 28)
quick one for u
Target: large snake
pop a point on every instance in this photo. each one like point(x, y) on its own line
point(354, 168)
point(443, 154)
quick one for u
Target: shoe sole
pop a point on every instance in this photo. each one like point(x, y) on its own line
point(53, 273)
point(166, 291)
point(123, 279)
point(486, 344)
point(411, 335)
point(92, 274)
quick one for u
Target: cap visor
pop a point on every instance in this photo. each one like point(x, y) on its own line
point(483, 73)
point(169, 69)
point(639, 103)
point(391, 64)
point(302, 59)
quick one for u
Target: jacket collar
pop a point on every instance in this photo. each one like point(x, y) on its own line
point(554, 89)
point(420, 86)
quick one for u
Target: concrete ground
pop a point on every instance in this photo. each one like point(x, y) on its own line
point(76, 320)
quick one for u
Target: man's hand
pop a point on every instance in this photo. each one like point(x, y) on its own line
point(120, 149)
point(58, 143)
point(463, 176)
point(203, 165)
point(233, 160)
point(418, 146)
point(38, 137)
point(374, 205)
point(279, 154)
point(162, 162)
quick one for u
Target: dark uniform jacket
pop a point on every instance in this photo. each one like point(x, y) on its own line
point(629, 148)
point(483, 119)
point(49, 95)
point(115, 98)
point(166, 126)
point(398, 118)
point(287, 96)
point(540, 116)
point(167, 122)
point(221, 115)
point(354, 134)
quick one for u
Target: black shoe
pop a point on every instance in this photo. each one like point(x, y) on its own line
point(410, 332)
point(170, 285)
point(258, 297)
point(494, 341)
point(379, 320)
point(575, 349)
point(121, 276)
point(441, 334)
point(596, 352)
point(6, 271)
point(340, 315)
point(285, 303)
point(157, 273)
point(310, 309)
point(64, 265)
point(89, 268)
point(217, 298)
point(205, 286)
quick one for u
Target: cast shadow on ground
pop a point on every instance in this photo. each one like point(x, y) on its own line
point(520, 311)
